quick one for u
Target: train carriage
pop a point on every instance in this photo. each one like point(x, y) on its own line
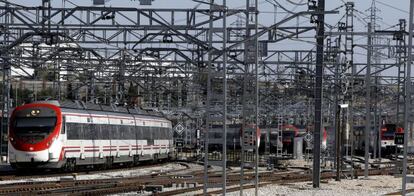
point(67, 134)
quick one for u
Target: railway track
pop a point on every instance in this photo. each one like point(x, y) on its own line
point(16, 175)
point(155, 182)
point(107, 186)
point(273, 178)
point(57, 186)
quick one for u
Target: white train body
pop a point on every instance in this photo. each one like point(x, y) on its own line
point(68, 136)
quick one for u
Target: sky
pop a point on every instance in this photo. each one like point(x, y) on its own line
point(389, 12)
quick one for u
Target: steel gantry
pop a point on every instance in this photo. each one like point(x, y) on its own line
point(221, 65)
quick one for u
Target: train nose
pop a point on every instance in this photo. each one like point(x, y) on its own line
point(31, 157)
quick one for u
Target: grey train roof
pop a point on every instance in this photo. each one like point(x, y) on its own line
point(82, 107)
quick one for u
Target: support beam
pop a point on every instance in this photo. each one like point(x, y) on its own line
point(318, 94)
point(407, 108)
point(368, 101)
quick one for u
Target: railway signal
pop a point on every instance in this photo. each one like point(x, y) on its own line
point(179, 128)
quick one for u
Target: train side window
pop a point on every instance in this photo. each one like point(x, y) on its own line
point(111, 129)
point(144, 133)
point(141, 133)
point(157, 133)
point(149, 135)
point(98, 131)
point(148, 132)
point(152, 132)
point(63, 129)
point(70, 131)
point(127, 134)
point(107, 132)
point(119, 132)
point(115, 132)
point(104, 131)
point(122, 131)
point(164, 133)
point(160, 133)
point(74, 131)
point(131, 132)
point(138, 133)
point(90, 132)
point(94, 131)
point(81, 131)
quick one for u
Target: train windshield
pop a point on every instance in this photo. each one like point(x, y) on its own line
point(389, 131)
point(34, 125)
point(289, 134)
point(34, 120)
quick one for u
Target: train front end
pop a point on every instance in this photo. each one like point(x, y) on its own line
point(34, 136)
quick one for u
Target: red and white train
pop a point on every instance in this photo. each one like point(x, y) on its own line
point(289, 132)
point(67, 134)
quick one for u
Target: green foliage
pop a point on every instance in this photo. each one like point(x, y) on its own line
point(21, 95)
point(132, 91)
point(45, 93)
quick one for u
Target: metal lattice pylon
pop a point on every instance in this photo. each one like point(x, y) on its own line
point(250, 132)
point(401, 52)
point(216, 114)
point(5, 100)
point(279, 149)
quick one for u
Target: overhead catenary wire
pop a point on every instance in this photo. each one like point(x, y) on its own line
point(298, 4)
point(393, 7)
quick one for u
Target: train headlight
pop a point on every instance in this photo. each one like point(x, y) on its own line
point(35, 112)
point(12, 140)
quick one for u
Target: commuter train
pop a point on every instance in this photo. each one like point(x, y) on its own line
point(69, 134)
point(387, 137)
point(289, 133)
point(388, 132)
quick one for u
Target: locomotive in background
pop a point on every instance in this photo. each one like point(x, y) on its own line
point(386, 133)
point(267, 134)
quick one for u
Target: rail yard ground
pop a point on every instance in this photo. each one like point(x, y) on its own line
point(174, 179)
point(374, 185)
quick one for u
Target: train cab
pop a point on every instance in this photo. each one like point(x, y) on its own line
point(34, 135)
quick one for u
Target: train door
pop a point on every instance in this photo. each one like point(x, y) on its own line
point(63, 135)
point(91, 131)
point(135, 148)
point(109, 136)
